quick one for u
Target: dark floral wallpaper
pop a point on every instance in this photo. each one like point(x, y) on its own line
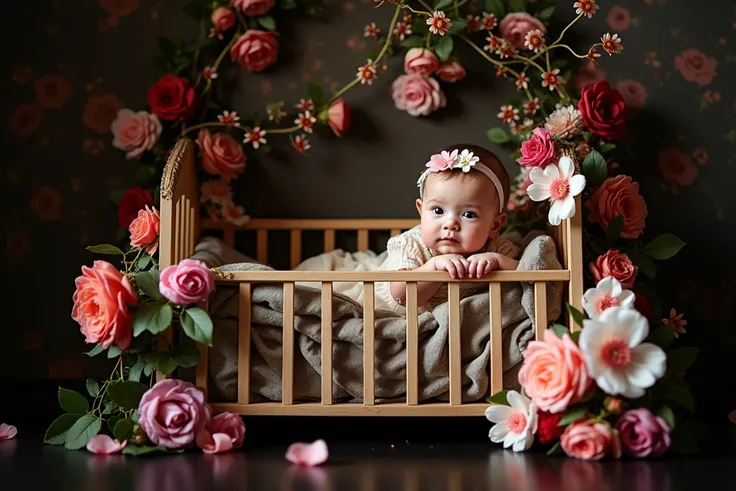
point(72, 65)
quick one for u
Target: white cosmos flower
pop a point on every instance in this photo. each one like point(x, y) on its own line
point(606, 294)
point(466, 160)
point(515, 425)
point(617, 359)
point(559, 185)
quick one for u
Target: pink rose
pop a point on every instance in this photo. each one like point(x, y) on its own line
point(223, 19)
point(618, 195)
point(618, 18)
point(590, 441)
point(144, 230)
point(7, 432)
point(451, 71)
point(538, 150)
point(677, 166)
point(172, 413)
point(188, 282)
point(696, 67)
point(135, 132)
point(554, 374)
point(421, 61)
point(643, 434)
point(255, 50)
point(617, 265)
point(222, 155)
point(253, 7)
point(224, 431)
point(418, 95)
point(101, 303)
point(633, 92)
point(339, 116)
point(515, 26)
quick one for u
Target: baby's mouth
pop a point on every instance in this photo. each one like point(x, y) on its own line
point(449, 240)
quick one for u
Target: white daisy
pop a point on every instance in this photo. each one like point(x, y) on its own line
point(466, 160)
point(515, 425)
point(558, 184)
point(617, 359)
point(606, 294)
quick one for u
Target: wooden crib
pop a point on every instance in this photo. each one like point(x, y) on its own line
point(181, 226)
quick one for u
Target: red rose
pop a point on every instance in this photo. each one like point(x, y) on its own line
point(548, 431)
point(642, 305)
point(172, 97)
point(134, 200)
point(603, 110)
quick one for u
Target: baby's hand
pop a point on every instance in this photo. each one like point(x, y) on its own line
point(454, 264)
point(482, 264)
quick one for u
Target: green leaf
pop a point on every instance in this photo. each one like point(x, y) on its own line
point(645, 264)
point(444, 48)
point(123, 429)
point(114, 352)
point(126, 394)
point(167, 47)
point(110, 407)
point(161, 361)
point(595, 168)
point(663, 246)
point(606, 147)
point(315, 92)
point(148, 282)
point(517, 5)
point(546, 13)
point(495, 7)
point(144, 450)
point(555, 450)
point(577, 316)
point(613, 231)
point(197, 325)
point(575, 336)
point(499, 398)
point(72, 402)
point(288, 4)
point(665, 412)
point(152, 317)
point(105, 249)
point(116, 195)
point(136, 371)
point(95, 351)
point(267, 22)
point(457, 26)
point(185, 355)
point(662, 336)
point(560, 330)
point(57, 431)
point(112, 422)
point(93, 387)
point(143, 261)
point(195, 9)
point(441, 4)
point(413, 42)
point(680, 359)
point(675, 390)
point(498, 135)
point(82, 431)
point(572, 415)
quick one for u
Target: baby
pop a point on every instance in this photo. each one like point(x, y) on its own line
point(462, 193)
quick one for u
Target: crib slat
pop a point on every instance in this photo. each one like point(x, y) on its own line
point(453, 293)
point(177, 234)
point(326, 343)
point(287, 356)
point(411, 479)
point(296, 248)
point(362, 240)
point(244, 343)
point(395, 232)
point(262, 246)
point(368, 343)
point(329, 240)
point(455, 480)
point(412, 345)
point(540, 308)
point(187, 226)
point(192, 229)
point(182, 227)
point(496, 356)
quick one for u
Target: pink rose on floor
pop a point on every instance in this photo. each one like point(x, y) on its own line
point(538, 150)
point(253, 7)
point(222, 155)
point(590, 441)
point(554, 374)
point(104, 445)
point(677, 166)
point(633, 92)
point(135, 132)
point(339, 116)
point(223, 19)
point(421, 60)
point(618, 18)
point(255, 50)
point(188, 282)
point(452, 71)
point(696, 67)
point(173, 412)
point(619, 195)
point(617, 265)
point(643, 434)
point(101, 303)
point(144, 230)
point(418, 95)
point(307, 454)
point(7, 432)
point(224, 431)
point(515, 26)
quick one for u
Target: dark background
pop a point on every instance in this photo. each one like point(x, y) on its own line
point(56, 178)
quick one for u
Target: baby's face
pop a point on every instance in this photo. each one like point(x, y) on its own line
point(459, 213)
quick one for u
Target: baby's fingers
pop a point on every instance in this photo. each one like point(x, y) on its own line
point(460, 266)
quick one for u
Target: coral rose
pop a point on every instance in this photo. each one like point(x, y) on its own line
point(172, 97)
point(418, 95)
point(633, 92)
point(643, 434)
point(339, 116)
point(186, 283)
point(618, 195)
point(253, 7)
point(135, 132)
point(554, 374)
point(172, 413)
point(590, 441)
point(133, 200)
point(101, 303)
point(421, 61)
point(617, 265)
point(603, 110)
point(255, 50)
point(223, 19)
point(222, 155)
point(144, 230)
point(696, 67)
point(538, 150)
point(224, 431)
point(515, 26)
point(452, 71)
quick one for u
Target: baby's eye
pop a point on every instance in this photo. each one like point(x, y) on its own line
point(437, 210)
point(470, 215)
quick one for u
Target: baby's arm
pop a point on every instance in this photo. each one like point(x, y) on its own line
point(483, 263)
point(425, 289)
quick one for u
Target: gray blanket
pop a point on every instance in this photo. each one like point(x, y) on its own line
point(390, 336)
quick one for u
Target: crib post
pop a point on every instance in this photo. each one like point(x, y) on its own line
point(412, 345)
point(574, 255)
point(369, 303)
point(455, 361)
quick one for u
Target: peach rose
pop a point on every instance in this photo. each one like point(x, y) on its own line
point(590, 441)
point(253, 7)
point(52, 91)
point(617, 265)
point(554, 374)
point(696, 67)
point(223, 19)
point(618, 18)
point(619, 195)
point(222, 155)
point(421, 61)
point(255, 50)
point(451, 71)
point(100, 111)
point(144, 230)
point(26, 119)
point(515, 26)
point(135, 132)
point(101, 303)
point(633, 92)
point(677, 166)
point(418, 95)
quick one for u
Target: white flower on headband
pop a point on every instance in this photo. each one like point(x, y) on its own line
point(466, 160)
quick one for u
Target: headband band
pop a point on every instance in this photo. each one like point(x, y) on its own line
point(465, 160)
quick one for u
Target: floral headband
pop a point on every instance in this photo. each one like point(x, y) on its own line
point(465, 160)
